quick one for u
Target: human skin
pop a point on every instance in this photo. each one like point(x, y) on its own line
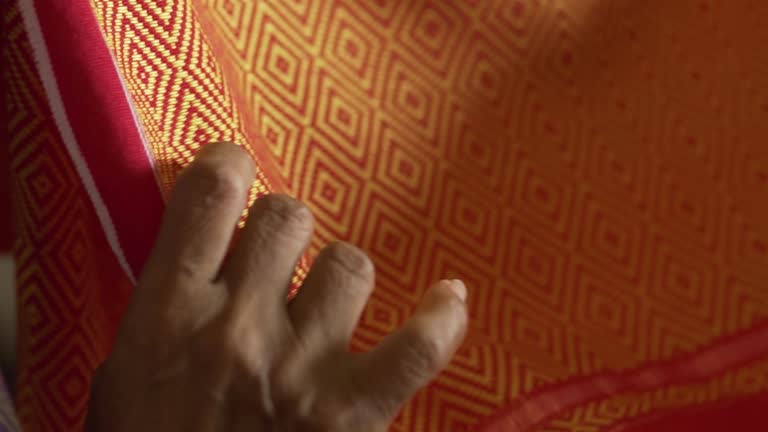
point(209, 343)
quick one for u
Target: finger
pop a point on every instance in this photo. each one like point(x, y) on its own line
point(408, 359)
point(260, 269)
point(202, 214)
point(328, 306)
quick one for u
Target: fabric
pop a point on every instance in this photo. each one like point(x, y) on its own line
point(8, 421)
point(595, 170)
point(6, 223)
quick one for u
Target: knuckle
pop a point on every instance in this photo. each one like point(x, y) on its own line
point(235, 345)
point(217, 181)
point(232, 339)
point(186, 270)
point(351, 259)
point(318, 405)
point(421, 357)
point(231, 343)
point(333, 414)
point(287, 213)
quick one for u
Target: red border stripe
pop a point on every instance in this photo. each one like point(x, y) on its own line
point(729, 352)
point(103, 122)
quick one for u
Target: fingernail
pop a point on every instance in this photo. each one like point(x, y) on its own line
point(458, 288)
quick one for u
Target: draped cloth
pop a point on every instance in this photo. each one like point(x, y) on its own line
point(596, 171)
point(8, 420)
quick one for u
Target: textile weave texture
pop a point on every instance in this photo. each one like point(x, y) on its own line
point(8, 420)
point(596, 171)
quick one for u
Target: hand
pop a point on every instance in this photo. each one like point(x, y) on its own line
point(210, 344)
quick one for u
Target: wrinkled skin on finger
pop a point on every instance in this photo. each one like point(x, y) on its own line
point(209, 343)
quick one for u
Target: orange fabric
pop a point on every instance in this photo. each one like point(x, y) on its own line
point(594, 170)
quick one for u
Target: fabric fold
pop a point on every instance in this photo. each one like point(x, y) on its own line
point(593, 170)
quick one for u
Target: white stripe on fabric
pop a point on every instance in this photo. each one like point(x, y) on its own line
point(48, 77)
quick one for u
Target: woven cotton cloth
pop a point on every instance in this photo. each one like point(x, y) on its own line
point(8, 421)
point(594, 170)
